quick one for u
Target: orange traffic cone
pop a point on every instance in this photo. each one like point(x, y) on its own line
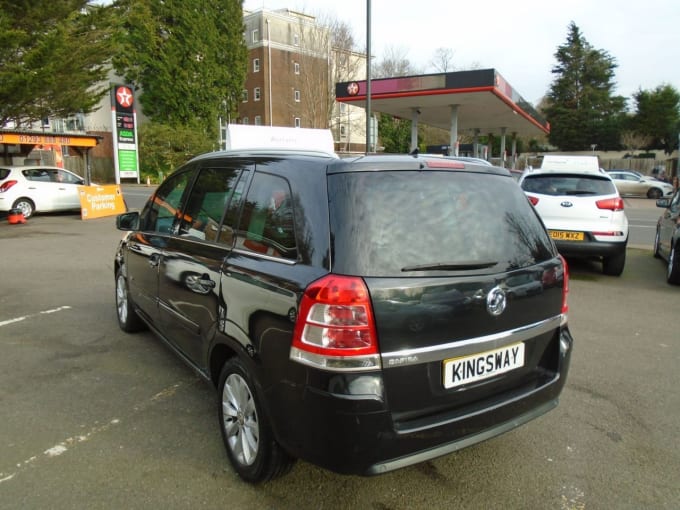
point(15, 216)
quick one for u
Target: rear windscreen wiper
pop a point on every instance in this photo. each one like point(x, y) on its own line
point(451, 266)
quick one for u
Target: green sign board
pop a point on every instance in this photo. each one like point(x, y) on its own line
point(127, 162)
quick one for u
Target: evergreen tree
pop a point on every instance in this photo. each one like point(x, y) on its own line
point(53, 58)
point(582, 108)
point(658, 117)
point(187, 58)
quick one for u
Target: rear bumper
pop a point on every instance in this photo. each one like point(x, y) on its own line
point(356, 434)
point(590, 248)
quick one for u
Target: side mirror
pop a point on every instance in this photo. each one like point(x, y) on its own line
point(128, 221)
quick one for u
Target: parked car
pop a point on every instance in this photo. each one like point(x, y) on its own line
point(667, 239)
point(634, 184)
point(34, 189)
point(363, 314)
point(583, 212)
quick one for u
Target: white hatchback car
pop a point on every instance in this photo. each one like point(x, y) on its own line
point(34, 189)
point(583, 213)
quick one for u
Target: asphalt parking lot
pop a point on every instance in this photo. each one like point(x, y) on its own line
point(94, 418)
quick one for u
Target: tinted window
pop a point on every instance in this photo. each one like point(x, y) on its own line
point(568, 184)
point(266, 224)
point(206, 205)
point(160, 213)
point(4, 172)
point(384, 222)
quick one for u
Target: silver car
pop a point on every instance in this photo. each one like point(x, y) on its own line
point(634, 184)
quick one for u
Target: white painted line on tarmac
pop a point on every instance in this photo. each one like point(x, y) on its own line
point(63, 446)
point(23, 318)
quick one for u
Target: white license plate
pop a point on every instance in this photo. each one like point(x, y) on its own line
point(476, 367)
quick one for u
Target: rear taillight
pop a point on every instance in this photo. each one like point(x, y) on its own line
point(335, 328)
point(7, 185)
point(532, 199)
point(565, 290)
point(613, 204)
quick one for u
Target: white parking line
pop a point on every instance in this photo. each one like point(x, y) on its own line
point(72, 441)
point(19, 319)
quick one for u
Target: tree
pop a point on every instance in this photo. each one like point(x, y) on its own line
point(442, 61)
point(188, 58)
point(53, 58)
point(658, 116)
point(325, 58)
point(394, 133)
point(162, 148)
point(394, 63)
point(582, 109)
point(634, 140)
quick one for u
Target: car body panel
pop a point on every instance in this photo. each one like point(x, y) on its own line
point(49, 188)
point(668, 225)
point(289, 221)
point(634, 184)
point(576, 209)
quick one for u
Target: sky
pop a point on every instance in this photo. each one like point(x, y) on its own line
point(517, 38)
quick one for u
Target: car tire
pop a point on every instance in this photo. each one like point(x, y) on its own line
point(613, 266)
point(128, 320)
point(654, 193)
point(25, 205)
point(657, 238)
point(673, 271)
point(248, 438)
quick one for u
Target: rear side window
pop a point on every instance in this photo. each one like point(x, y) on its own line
point(266, 224)
point(568, 184)
point(4, 172)
point(387, 223)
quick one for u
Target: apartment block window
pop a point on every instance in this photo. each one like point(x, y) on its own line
point(296, 39)
point(258, 120)
point(245, 120)
point(256, 65)
point(256, 94)
point(297, 96)
point(297, 67)
point(244, 96)
point(343, 132)
point(256, 35)
point(297, 122)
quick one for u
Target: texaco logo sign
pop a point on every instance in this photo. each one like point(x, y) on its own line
point(124, 97)
point(353, 88)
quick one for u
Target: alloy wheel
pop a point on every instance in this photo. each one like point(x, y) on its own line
point(240, 419)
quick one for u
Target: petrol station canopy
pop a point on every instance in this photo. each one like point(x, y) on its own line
point(479, 101)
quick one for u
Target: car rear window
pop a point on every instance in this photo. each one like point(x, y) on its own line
point(568, 184)
point(386, 223)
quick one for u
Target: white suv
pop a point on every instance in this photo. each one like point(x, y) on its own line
point(582, 210)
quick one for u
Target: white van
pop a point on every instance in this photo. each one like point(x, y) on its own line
point(243, 136)
point(564, 163)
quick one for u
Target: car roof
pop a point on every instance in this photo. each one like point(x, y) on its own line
point(33, 167)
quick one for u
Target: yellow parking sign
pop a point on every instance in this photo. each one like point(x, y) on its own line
point(100, 201)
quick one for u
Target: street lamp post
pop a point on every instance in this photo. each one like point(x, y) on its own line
point(368, 76)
